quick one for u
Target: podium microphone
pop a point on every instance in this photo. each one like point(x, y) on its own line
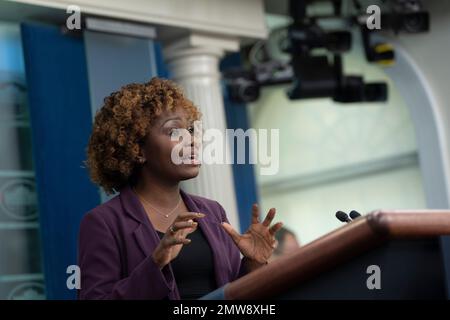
point(343, 217)
point(354, 214)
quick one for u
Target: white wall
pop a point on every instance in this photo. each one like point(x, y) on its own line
point(430, 53)
point(310, 213)
point(234, 18)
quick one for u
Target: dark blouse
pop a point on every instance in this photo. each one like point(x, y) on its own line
point(193, 268)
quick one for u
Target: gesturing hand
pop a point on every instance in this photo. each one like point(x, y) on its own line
point(175, 237)
point(258, 242)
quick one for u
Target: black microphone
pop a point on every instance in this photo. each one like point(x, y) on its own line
point(343, 217)
point(354, 214)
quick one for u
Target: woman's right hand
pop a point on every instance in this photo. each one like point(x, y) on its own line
point(175, 237)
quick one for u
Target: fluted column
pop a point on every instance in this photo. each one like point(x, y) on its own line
point(196, 69)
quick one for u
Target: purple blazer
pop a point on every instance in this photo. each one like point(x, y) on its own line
point(116, 241)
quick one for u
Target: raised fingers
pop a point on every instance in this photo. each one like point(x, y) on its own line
point(182, 225)
point(275, 228)
point(269, 217)
point(175, 240)
point(255, 213)
point(189, 215)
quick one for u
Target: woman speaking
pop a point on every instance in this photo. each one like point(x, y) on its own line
point(153, 240)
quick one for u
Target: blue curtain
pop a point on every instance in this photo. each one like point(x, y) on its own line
point(161, 66)
point(61, 121)
point(244, 177)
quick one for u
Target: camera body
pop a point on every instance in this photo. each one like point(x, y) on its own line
point(320, 75)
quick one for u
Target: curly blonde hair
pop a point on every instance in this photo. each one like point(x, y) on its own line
point(121, 125)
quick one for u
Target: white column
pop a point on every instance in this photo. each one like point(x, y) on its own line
point(194, 64)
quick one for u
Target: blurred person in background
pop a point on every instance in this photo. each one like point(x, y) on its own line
point(286, 243)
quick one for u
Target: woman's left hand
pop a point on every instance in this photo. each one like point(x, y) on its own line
point(258, 242)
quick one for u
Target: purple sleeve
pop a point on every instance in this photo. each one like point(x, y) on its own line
point(100, 266)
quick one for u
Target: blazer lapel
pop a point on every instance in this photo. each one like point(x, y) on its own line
point(145, 239)
point(145, 235)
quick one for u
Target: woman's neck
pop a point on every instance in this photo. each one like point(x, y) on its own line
point(158, 192)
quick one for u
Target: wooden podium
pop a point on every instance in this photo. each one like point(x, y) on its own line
point(405, 245)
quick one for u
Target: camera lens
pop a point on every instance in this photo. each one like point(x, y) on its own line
point(249, 91)
point(376, 91)
point(243, 90)
point(415, 22)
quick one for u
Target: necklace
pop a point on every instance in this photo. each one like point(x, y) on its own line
point(166, 215)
